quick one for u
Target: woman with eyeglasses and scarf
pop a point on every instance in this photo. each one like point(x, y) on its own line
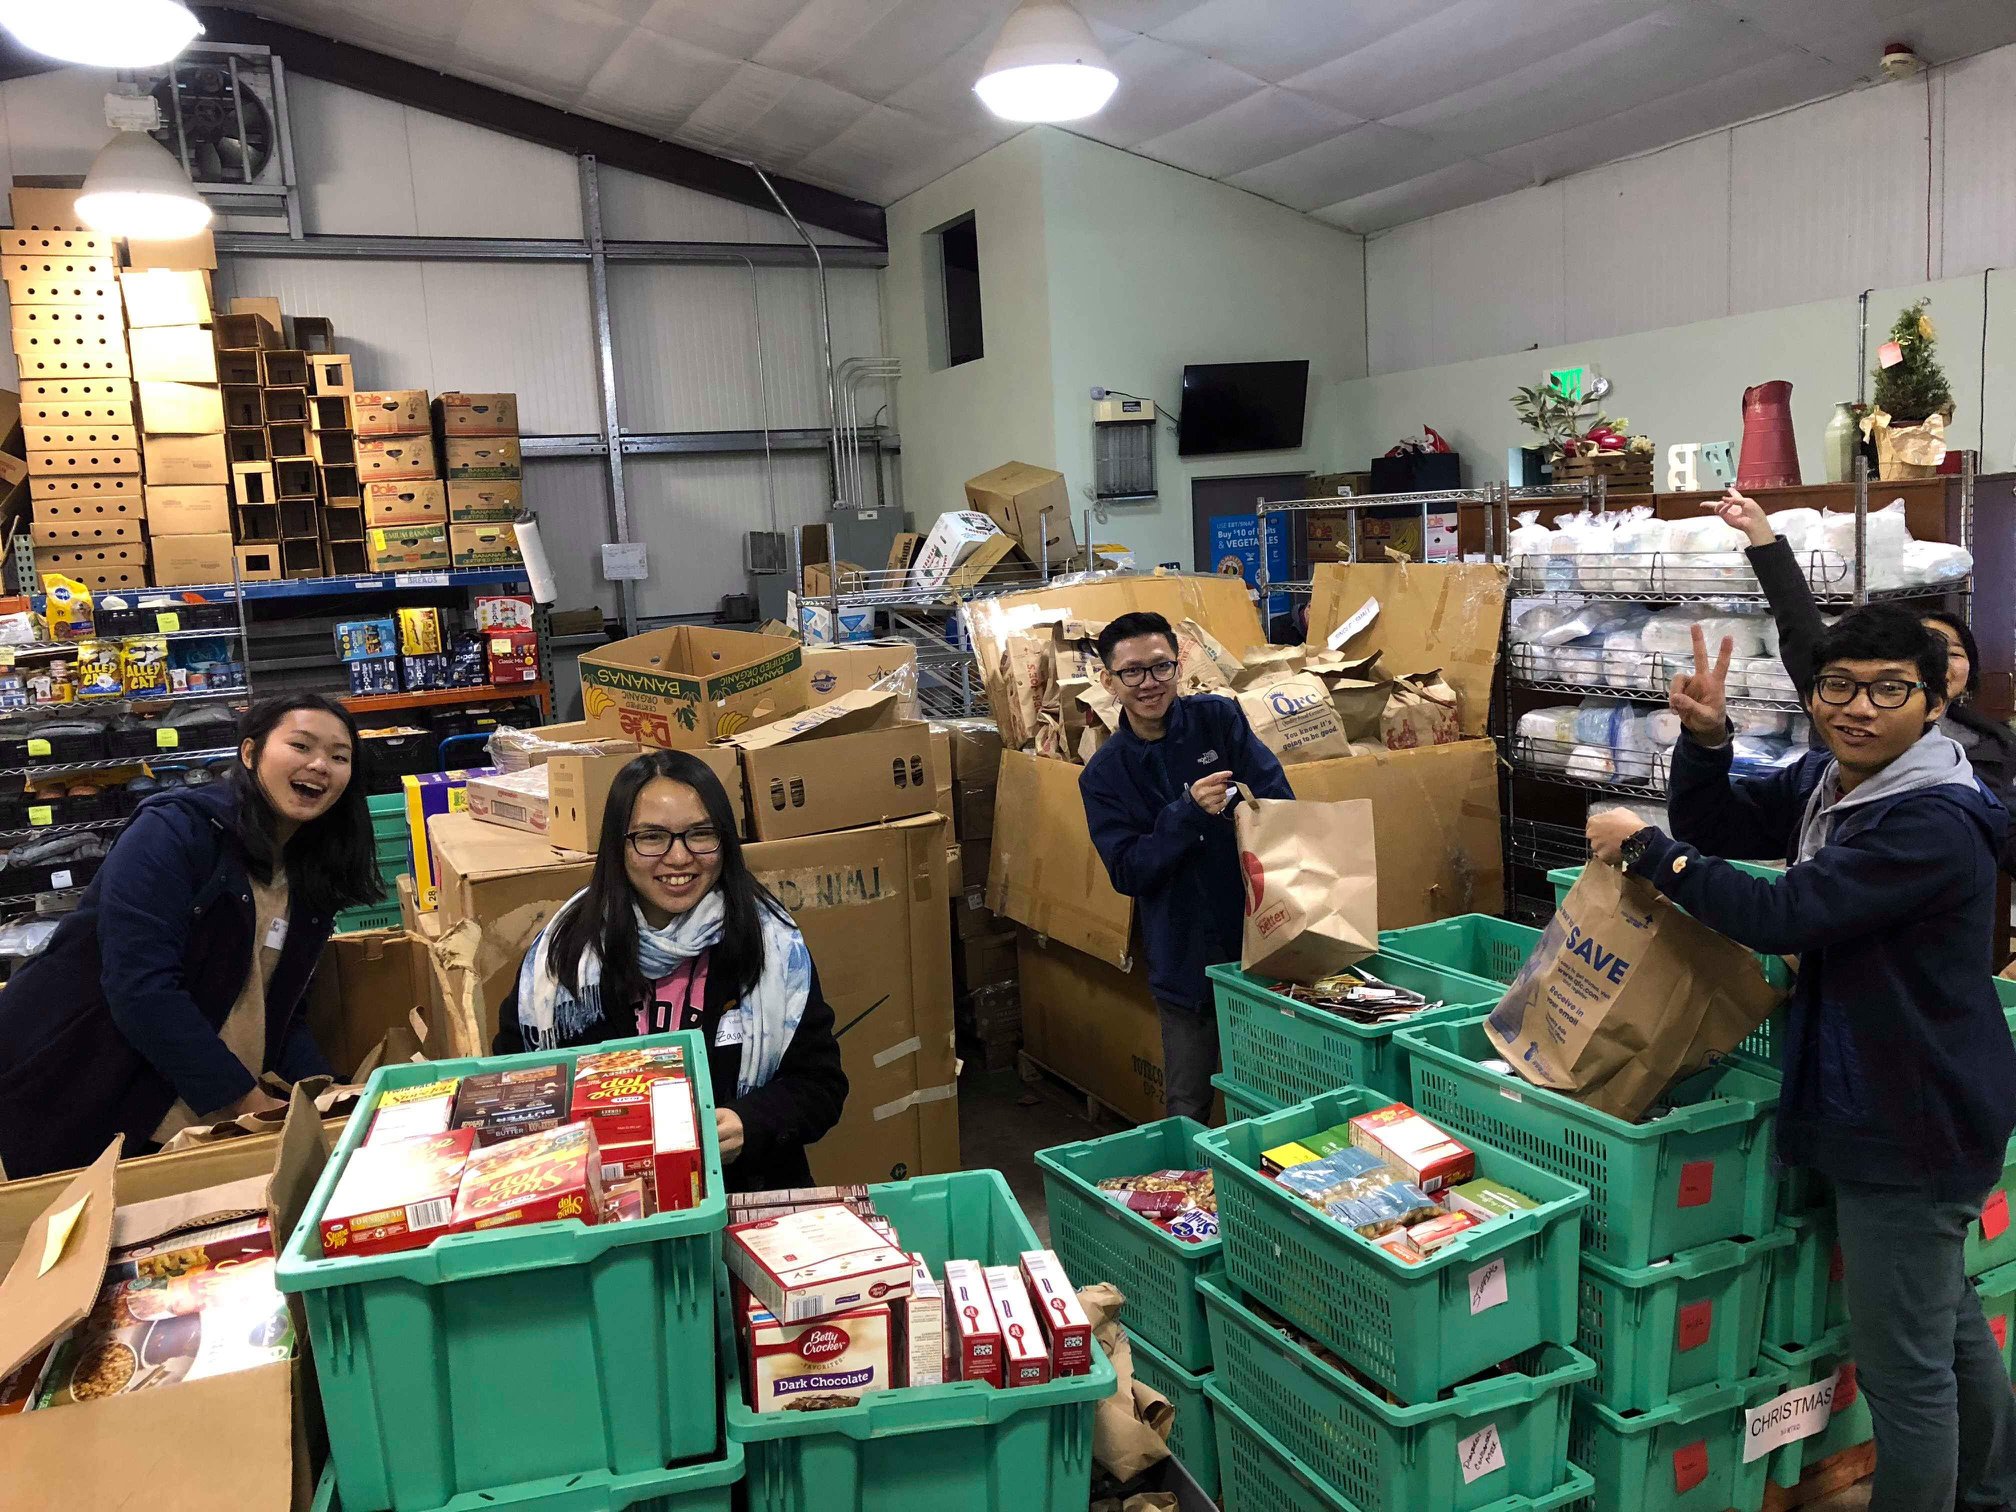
point(672, 932)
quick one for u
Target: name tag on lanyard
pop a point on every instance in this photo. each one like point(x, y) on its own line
point(276, 934)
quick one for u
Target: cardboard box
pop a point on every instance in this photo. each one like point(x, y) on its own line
point(923, 1332)
point(1063, 1319)
point(1032, 505)
point(1402, 1140)
point(388, 457)
point(201, 558)
point(1094, 1025)
point(187, 509)
point(477, 502)
point(491, 545)
point(260, 564)
point(903, 551)
point(483, 457)
point(45, 209)
point(851, 1352)
point(116, 566)
point(1025, 1356)
point(477, 414)
point(185, 459)
point(407, 548)
point(123, 508)
point(389, 412)
point(79, 534)
point(369, 984)
point(685, 687)
point(844, 764)
point(974, 1341)
point(515, 1100)
point(988, 961)
point(165, 1440)
point(535, 1178)
point(815, 1263)
point(1044, 872)
point(831, 671)
point(70, 486)
point(414, 501)
point(198, 251)
point(430, 796)
point(399, 1195)
point(678, 1167)
point(72, 436)
point(162, 297)
point(514, 799)
point(173, 354)
point(1445, 615)
point(181, 409)
point(102, 464)
point(577, 788)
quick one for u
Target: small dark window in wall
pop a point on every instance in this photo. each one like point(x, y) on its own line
point(959, 259)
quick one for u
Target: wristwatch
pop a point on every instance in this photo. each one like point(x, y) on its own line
point(1633, 850)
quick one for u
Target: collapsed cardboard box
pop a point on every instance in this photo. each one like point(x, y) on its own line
point(158, 1446)
point(1445, 614)
point(686, 687)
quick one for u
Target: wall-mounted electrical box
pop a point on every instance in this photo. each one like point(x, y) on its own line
point(1123, 449)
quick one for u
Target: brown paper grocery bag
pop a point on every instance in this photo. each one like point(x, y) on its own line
point(1625, 995)
point(1130, 1428)
point(1312, 886)
point(1294, 718)
point(1422, 711)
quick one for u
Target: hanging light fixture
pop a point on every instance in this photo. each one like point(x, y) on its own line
point(104, 33)
point(1046, 66)
point(136, 188)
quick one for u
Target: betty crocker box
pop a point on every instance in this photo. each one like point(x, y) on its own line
point(612, 1088)
point(827, 1362)
point(1063, 1321)
point(973, 1337)
point(1025, 1356)
point(398, 1195)
point(533, 1179)
point(815, 1263)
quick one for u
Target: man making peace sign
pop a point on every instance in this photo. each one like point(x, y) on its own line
point(1900, 1073)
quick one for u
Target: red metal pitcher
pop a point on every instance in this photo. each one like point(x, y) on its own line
point(1770, 450)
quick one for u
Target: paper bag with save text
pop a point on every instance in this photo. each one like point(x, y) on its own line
point(1312, 886)
point(1625, 995)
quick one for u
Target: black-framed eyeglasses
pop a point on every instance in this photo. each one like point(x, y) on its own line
point(1884, 692)
point(701, 840)
point(1161, 672)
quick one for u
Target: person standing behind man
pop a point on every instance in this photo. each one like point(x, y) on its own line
point(1158, 799)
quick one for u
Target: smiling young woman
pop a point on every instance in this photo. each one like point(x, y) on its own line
point(178, 983)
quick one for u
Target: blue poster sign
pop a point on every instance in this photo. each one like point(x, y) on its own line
point(1235, 552)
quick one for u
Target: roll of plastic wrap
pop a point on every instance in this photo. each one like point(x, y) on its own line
point(538, 569)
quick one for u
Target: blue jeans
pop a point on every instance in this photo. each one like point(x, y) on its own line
point(1945, 1415)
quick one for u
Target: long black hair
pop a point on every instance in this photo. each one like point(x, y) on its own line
point(1958, 625)
point(605, 919)
point(331, 863)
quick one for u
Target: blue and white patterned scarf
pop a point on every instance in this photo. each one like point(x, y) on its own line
point(766, 1018)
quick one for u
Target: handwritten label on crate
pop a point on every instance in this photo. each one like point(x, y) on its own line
point(1798, 1414)
point(1697, 1322)
point(1480, 1454)
point(1690, 1466)
point(1487, 1286)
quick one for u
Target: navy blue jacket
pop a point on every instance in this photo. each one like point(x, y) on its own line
point(1178, 863)
point(1898, 1063)
point(103, 1031)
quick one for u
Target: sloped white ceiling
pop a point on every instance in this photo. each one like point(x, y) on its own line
point(1363, 113)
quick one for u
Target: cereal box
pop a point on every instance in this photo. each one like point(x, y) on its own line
point(815, 1366)
point(1063, 1321)
point(613, 1088)
point(675, 1145)
point(1025, 1356)
point(406, 1112)
point(815, 1263)
point(395, 1196)
point(535, 1178)
point(503, 1105)
point(973, 1332)
point(192, 1249)
point(1406, 1142)
point(923, 1316)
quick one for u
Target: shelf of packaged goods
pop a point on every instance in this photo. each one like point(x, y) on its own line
point(1680, 578)
point(114, 763)
point(42, 831)
point(1550, 760)
point(1649, 695)
point(367, 582)
point(441, 698)
point(38, 649)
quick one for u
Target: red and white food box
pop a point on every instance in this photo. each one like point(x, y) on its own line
point(1025, 1354)
point(1063, 1321)
point(924, 1328)
point(398, 1195)
point(675, 1145)
point(535, 1178)
point(410, 1112)
point(815, 1263)
point(790, 1364)
point(1407, 1143)
point(612, 1090)
point(972, 1331)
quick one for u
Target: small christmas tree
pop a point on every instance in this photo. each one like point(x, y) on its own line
point(1913, 390)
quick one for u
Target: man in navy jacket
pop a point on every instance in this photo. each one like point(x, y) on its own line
point(1899, 1070)
point(1158, 799)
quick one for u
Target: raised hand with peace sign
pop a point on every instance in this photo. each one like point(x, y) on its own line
point(1699, 697)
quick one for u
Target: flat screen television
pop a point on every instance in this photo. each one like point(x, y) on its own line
point(1241, 407)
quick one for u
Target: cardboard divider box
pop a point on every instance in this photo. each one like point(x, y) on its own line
point(462, 414)
point(416, 501)
point(260, 564)
point(477, 501)
point(188, 509)
point(203, 557)
point(483, 457)
point(685, 687)
point(173, 354)
point(845, 764)
point(383, 458)
point(185, 459)
point(57, 1232)
point(389, 412)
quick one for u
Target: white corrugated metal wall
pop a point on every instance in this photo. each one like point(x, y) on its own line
point(684, 336)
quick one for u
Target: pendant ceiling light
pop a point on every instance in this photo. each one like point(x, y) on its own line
point(1046, 66)
point(105, 33)
point(136, 188)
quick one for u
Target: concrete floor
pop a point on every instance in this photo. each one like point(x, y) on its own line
point(1002, 1123)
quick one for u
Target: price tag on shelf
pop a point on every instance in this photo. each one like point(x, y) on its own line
point(167, 738)
point(37, 746)
point(421, 579)
point(40, 814)
point(167, 621)
point(6, 656)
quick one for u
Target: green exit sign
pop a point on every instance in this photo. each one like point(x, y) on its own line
point(1568, 381)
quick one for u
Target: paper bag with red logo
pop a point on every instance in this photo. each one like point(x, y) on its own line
point(1312, 886)
point(1626, 995)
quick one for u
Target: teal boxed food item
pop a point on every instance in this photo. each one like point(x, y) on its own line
point(359, 639)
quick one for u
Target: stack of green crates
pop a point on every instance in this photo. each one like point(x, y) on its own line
point(1678, 1241)
point(1098, 1239)
point(389, 840)
point(1344, 1378)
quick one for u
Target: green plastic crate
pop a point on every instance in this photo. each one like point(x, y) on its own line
point(1684, 1456)
point(1700, 1173)
point(1479, 945)
point(705, 1487)
point(1991, 1238)
point(1192, 1437)
point(1804, 1296)
point(1383, 1458)
point(1663, 1329)
point(370, 916)
point(422, 1355)
point(1997, 1290)
point(1851, 1423)
point(1410, 1328)
point(1242, 1103)
point(926, 1449)
point(1288, 1050)
point(1261, 1474)
point(1100, 1240)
